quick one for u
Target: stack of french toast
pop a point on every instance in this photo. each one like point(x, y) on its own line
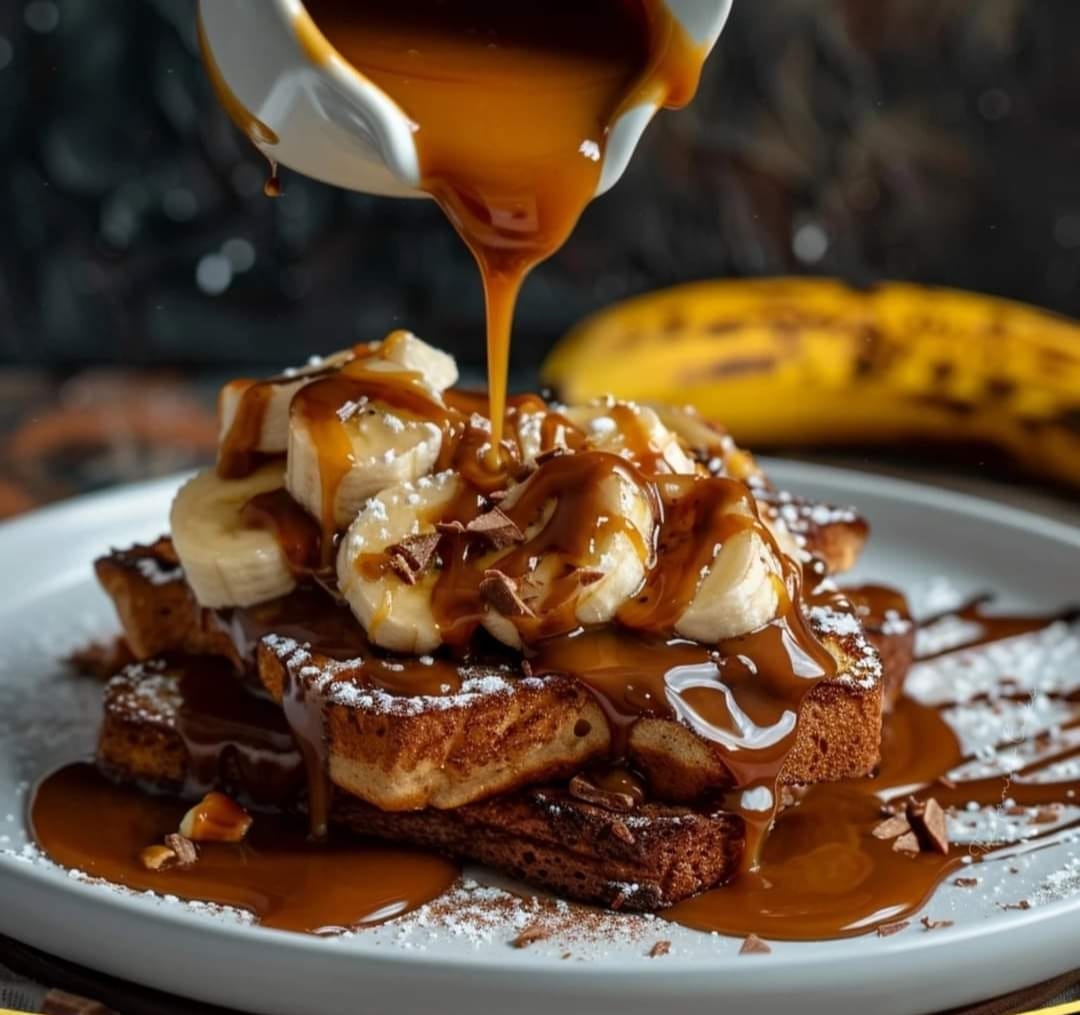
point(592, 647)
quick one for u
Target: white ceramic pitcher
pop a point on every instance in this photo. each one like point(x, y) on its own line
point(323, 118)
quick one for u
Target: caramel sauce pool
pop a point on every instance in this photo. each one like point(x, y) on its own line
point(512, 106)
point(84, 822)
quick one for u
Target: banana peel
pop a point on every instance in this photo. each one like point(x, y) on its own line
point(814, 362)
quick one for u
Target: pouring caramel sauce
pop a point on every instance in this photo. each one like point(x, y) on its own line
point(512, 105)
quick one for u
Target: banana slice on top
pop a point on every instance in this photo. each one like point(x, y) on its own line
point(634, 432)
point(227, 562)
point(395, 611)
point(587, 527)
point(739, 592)
point(254, 415)
point(344, 448)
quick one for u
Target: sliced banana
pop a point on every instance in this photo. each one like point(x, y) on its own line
point(619, 554)
point(402, 350)
point(739, 592)
point(395, 614)
point(227, 563)
point(254, 415)
point(371, 447)
point(634, 432)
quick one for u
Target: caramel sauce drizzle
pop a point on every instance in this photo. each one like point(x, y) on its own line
point(512, 110)
point(84, 822)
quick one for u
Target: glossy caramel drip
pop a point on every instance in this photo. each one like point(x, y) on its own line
point(561, 501)
point(299, 537)
point(513, 105)
point(84, 822)
point(823, 874)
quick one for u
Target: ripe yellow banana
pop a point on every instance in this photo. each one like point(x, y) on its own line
point(811, 361)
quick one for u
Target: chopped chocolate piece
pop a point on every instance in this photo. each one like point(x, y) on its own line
point(1046, 816)
point(183, 847)
point(400, 566)
point(530, 935)
point(418, 550)
point(1015, 811)
point(890, 828)
point(753, 945)
point(618, 902)
point(501, 595)
point(584, 788)
point(567, 955)
point(965, 882)
point(907, 843)
point(888, 929)
point(1022, 904)
point(451, 528)
point(929, 924)
point(660, 948)
point(497, 527)
point(927, 820)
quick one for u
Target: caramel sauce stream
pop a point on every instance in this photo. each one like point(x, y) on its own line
point(512, 107)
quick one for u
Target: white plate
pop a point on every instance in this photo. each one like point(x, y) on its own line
point(51, 605)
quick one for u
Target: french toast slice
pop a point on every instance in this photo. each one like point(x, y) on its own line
point(506, 730)
point(644, 860)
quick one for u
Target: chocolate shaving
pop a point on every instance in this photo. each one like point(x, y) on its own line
point(418, 551)
point(585, 789)
point(1022, 904)
point(907, 843)
point(929, 924)
point(965, 882)
point(451, 528)
point(550, 453)
point(586, 577)
point(567, 955)
point(526, 668)
point(927, 820)
point(888, 929)
point(660, 948)
point(1015, 811)
point(618, 902)
point(753, 945)
point(497, 527)
point(500, 593)
point(183, 847)
point(497, 496)
point(890, 828)
point(944, 780)
point(530, 935)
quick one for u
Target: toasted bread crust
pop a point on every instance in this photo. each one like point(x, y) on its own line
point(648, 859)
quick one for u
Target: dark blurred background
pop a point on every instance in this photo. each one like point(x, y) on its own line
point(936, 140)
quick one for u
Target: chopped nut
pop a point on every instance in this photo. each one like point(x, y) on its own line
point(965, 882)
point(888, 929)
point(929, 924)
point(622, 833)
point(157, 858)
point(907, 843)
point(184, 848)
point(753, 945)
point(927, 820)
point(585, 789)
point(530, 935)
point(890, 828)
point(500, 593)
point(497, 527)
point(215, 818)
point(660, 948)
